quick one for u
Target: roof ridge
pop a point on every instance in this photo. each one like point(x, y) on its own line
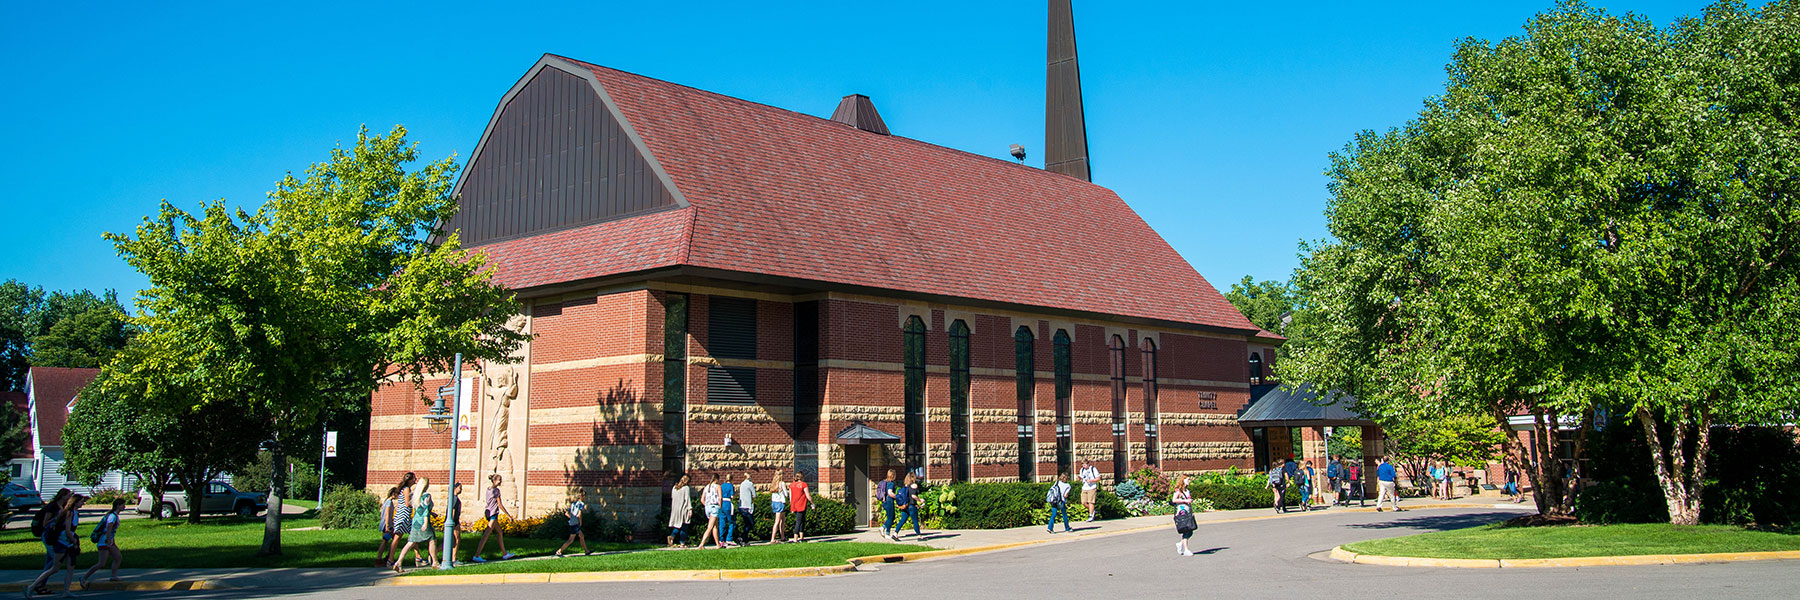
point(1036, 171)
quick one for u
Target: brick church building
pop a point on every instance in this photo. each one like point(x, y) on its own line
point(720, 286)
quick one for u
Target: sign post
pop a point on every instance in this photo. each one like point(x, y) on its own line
point(456, 392)
point(326, 450)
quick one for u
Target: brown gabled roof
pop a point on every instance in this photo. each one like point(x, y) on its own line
point(779, 193)
point(20, 403)
point(53, 388)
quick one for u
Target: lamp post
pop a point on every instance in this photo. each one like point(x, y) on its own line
point(442, 417)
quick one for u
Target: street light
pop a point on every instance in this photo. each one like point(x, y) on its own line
point(448, 418)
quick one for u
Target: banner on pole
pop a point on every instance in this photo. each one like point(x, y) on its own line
point(465, 419)
point(331, 444)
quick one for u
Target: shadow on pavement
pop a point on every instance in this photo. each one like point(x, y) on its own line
point(1438, 522)
point(1212, 550)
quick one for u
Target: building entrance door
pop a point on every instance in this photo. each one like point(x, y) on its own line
point(856, 481)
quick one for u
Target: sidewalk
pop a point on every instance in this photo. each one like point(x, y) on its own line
point(957, 539)
point(948, 542)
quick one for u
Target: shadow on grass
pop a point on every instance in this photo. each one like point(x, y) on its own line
point(1437, 522)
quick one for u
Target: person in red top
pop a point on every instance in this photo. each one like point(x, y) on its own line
point(798, 499)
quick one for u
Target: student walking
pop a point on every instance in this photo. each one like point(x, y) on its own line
point(709, 498)
point(61, 545)
point(491, 512)
point(420, 531)
point(1058, 499)
point(884, 492)
point(1278, 483)
point(906, 502)
point(798, 500)
point(1090, 487)
point(1306, 475)
point(728, 513)
point(1334, 476)
point(681, 509)
point(106, 544)
point(402, 523)
point(387, 528)
point(1512, 485)
point(1356, 482)
point(1384, 475)
point(453, 508)
point(1184, 505)
point(746, 490)
point(778, 505)
point(577, 515)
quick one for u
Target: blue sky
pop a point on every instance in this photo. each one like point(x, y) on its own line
point(1213, 120)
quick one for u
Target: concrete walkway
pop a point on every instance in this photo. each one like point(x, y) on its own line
point(304, 579)
point(973, 538)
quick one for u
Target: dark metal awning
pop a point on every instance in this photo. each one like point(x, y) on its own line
point(858, 433)
point(1302, 407)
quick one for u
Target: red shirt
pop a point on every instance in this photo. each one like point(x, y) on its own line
point(797, 496)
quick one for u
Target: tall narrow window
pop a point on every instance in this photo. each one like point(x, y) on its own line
point(1121, 445)
point(675, 331)
point(1152, 419)
point(731, 334)
point(913, 350)
point(959, 401)
point(1024, 353)
point(1065, 403)
point(1256, 365)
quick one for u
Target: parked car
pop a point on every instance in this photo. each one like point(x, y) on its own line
point(219, 497)
point(21, 497)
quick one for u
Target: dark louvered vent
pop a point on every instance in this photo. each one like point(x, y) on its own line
point(857, 111)
point(731, 328)
point(731, 385)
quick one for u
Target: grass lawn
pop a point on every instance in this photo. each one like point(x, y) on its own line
point(230, 542)
point(306, 504)
point(763, 556)
point(1496, 542)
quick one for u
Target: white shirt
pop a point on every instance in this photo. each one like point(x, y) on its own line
point(1090, 477)
point(746, 494)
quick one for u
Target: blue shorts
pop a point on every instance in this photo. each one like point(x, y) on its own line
point(778, 507)
point(712, 511)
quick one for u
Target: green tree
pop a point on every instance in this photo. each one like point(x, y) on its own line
point(338, 283)
point(1274, 306)
point(150, 425)
point(1462, 440)
point(56, 329)
point(1595, 213)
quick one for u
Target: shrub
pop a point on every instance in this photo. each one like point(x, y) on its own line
point(1620, 500)
point(1156, 486)
point(1109, 506)
point(1224, 496)
point(347, 507)
point(995, 505)
point(555, 526)
point(104, 497)
point(1129, 491)
point(824, 516)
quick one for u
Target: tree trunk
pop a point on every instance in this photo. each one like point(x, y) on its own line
point(1545, 475)
point(195, 485)
point(1680, 474)
point(271, 544)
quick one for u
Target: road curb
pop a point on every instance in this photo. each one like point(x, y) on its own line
point(1342, 555)
point(134, 586)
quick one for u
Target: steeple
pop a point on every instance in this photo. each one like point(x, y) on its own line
point(1065, 128)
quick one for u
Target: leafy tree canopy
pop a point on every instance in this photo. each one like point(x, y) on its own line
point(57, 329)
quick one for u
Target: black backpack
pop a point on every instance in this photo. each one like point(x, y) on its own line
point(44, 515)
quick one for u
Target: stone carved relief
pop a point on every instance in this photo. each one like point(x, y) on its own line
point(506, 388)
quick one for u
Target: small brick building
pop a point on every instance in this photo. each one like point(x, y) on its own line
point(720, 286)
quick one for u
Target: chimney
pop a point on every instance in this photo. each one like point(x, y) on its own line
point(1065, 129)
point(857, 111)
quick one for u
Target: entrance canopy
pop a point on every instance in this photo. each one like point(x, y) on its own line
point(1303, 407)
point(858, 433)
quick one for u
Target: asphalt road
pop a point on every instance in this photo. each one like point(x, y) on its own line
point(1252, 559)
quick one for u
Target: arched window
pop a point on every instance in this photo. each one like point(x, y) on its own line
point(1065, 404)
point(1256, 375)
point(913, 350)
point(959, 401)
point(1024, 353)
point(1121, 445)
point(1152, 443)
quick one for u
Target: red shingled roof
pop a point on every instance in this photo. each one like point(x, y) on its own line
point(781, 193)
point(53, 388)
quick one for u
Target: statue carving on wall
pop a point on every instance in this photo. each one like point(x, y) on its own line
point(502, 390)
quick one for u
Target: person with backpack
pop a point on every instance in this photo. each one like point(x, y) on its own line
point(64, 546)
point(1305, 477)
point(1356, 482)
point(1334, 475)
point(1058, 499)
point(106, 544)
point(577, 516)
point(1090, 487)
point(1184, 506)
point(884, 492)
point(1278, 483)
